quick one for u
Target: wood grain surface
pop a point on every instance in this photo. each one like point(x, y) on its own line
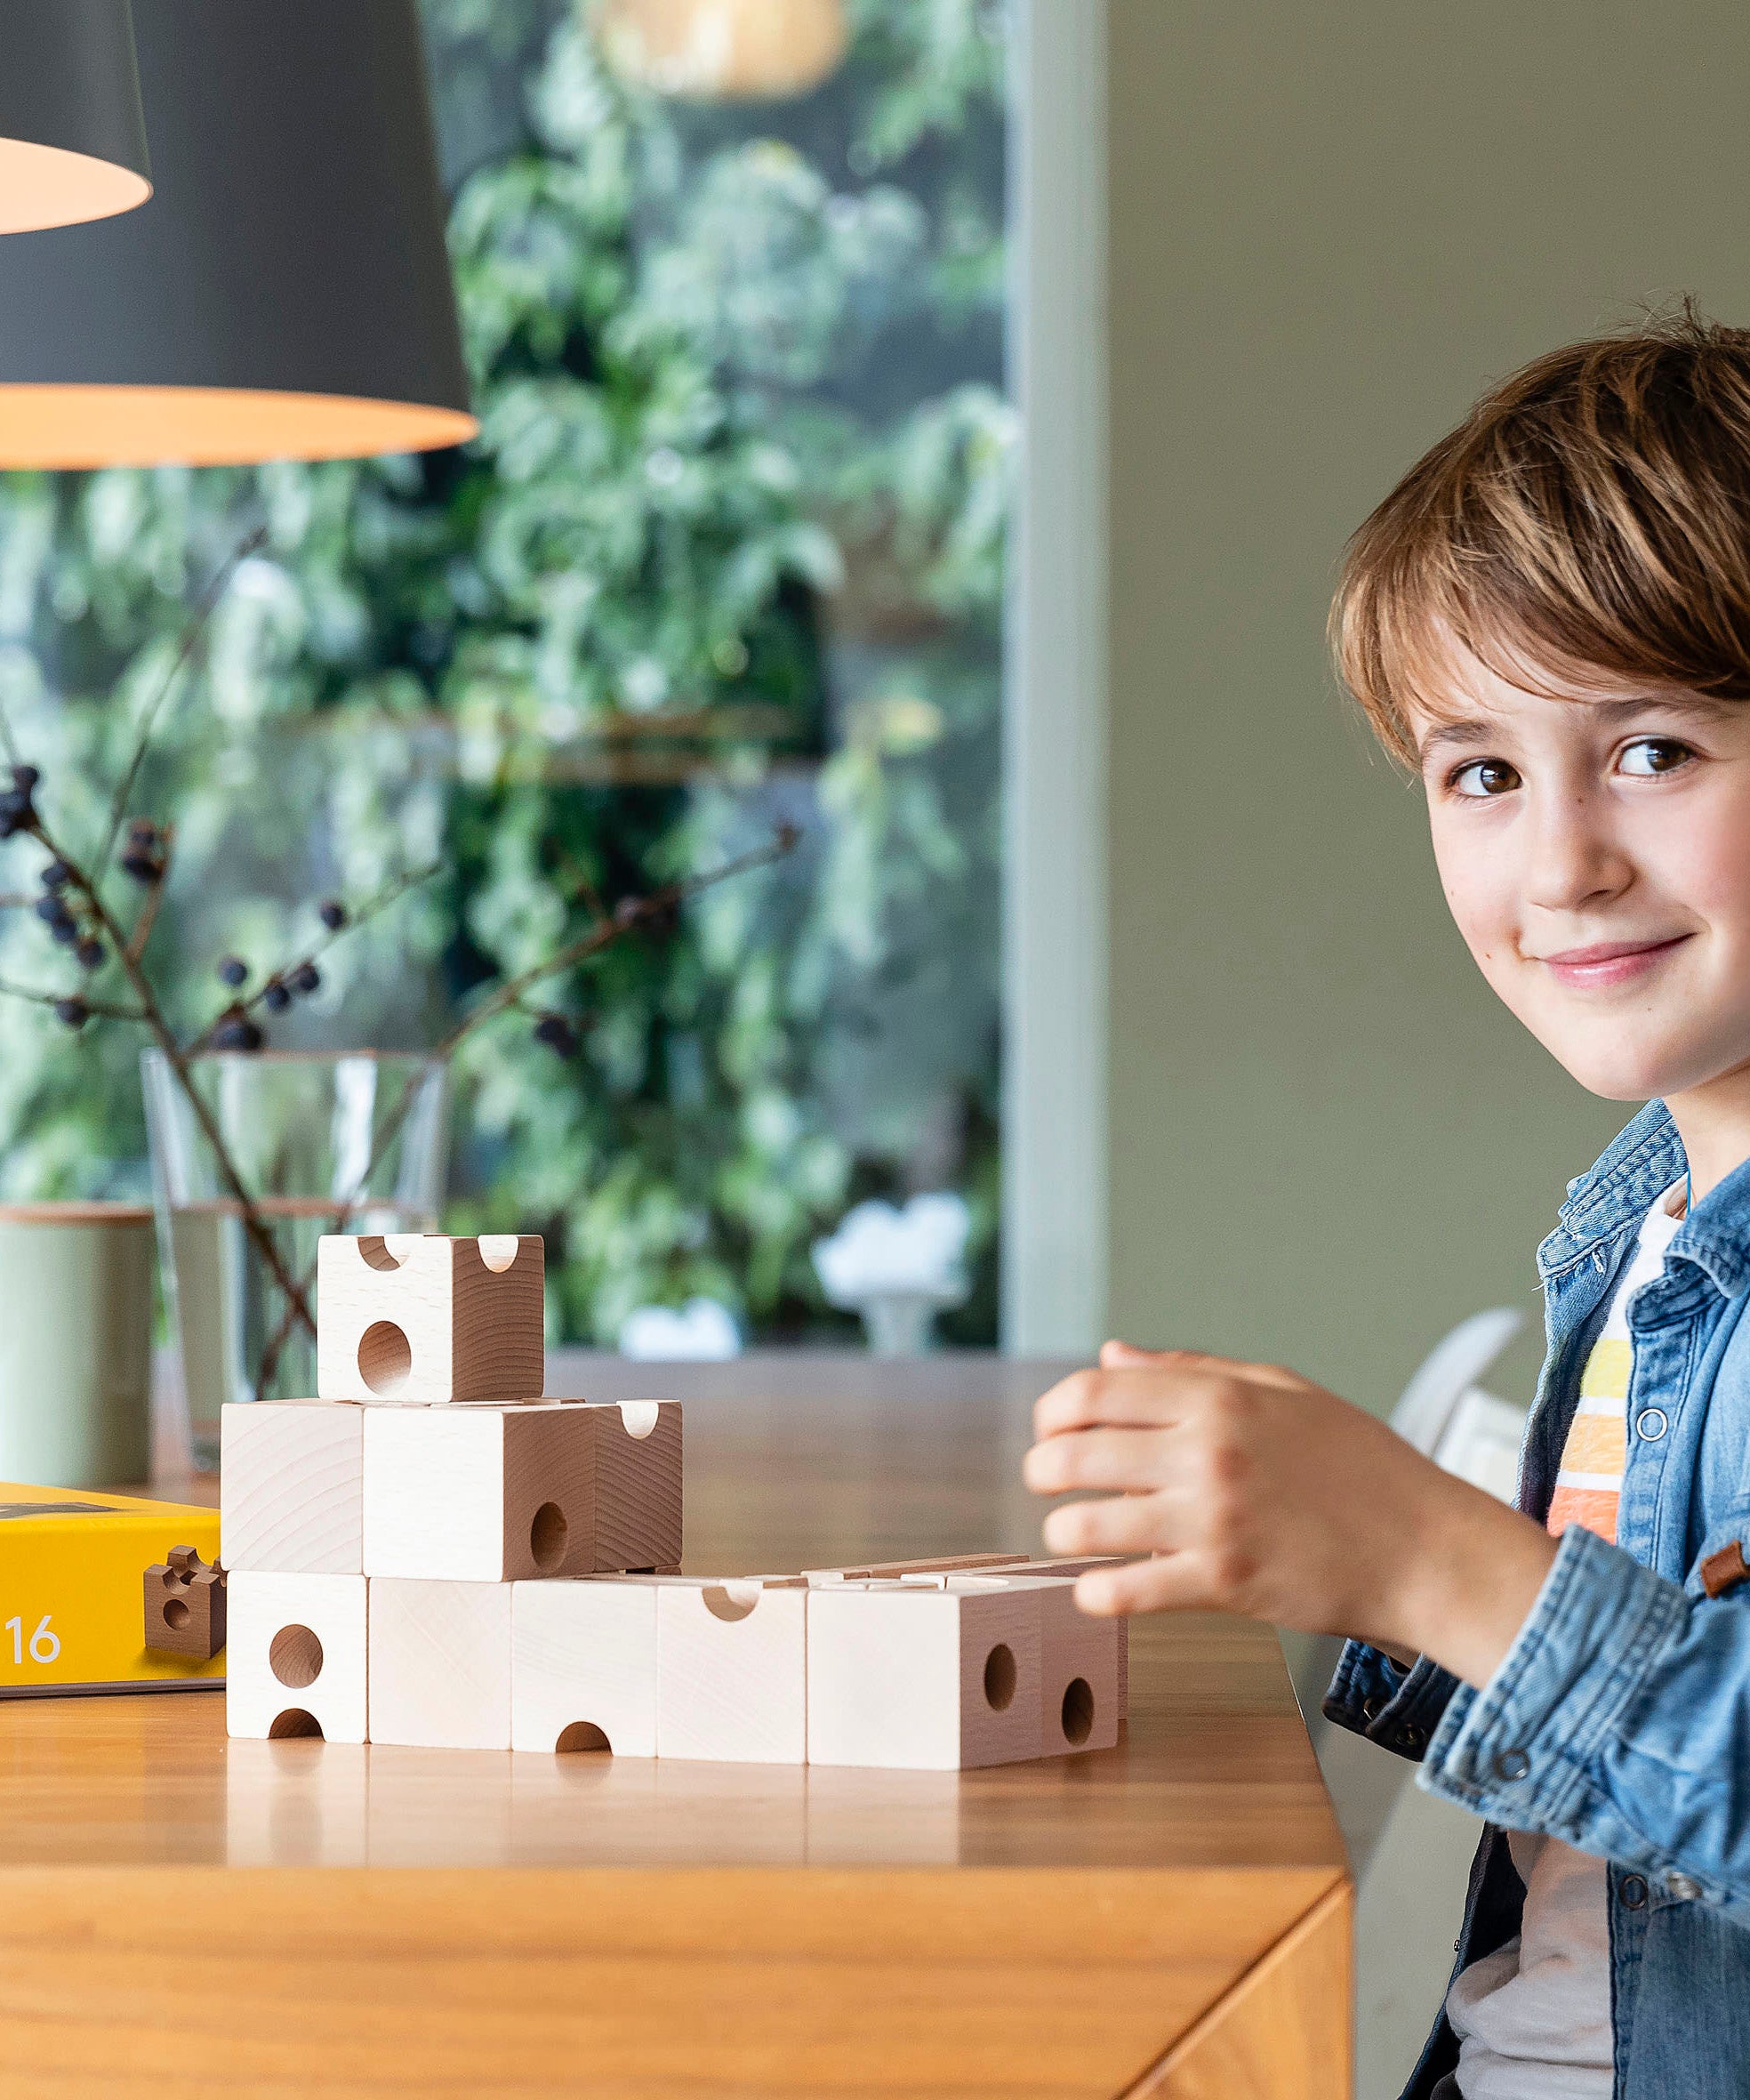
point(665, 1928)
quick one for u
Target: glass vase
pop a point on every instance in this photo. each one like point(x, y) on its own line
point(352, 1142)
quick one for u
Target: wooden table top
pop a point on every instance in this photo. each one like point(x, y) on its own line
point(1168, 1864)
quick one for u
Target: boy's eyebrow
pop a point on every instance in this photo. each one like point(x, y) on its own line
point(1467, 732)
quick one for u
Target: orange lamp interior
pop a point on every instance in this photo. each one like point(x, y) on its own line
point(152, 426)
point(42, 186)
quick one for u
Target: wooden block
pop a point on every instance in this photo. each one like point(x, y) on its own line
point(1079, 1701)
point(637, 1519)
point(295, 1662)
point(185, 1606)
point(1067, 1571)
point(440, 1663)
point(417, 1317)
point(480, 1494)
point(731, 1670)
point(886, 1571)
point(934, 1678)
point(291, 1486)
point(583, 1667)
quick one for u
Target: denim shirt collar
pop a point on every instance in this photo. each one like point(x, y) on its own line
point(1640, 1162)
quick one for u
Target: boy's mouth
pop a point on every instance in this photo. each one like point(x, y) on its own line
point(1608, 962)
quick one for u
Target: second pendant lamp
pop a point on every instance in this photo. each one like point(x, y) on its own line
point(72, 141)
point(286, 291)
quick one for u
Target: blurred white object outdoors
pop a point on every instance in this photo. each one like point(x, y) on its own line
point(703, 1331)
point(897, 1269)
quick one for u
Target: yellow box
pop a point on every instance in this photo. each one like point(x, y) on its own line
point(72, 1591)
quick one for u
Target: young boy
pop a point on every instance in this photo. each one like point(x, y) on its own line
point(1549, 620)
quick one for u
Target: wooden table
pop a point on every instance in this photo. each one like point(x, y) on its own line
point(179, 1914)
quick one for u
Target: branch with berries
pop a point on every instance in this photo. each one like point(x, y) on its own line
point(76, 903)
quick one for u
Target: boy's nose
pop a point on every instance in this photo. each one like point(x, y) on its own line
point(1574, 857)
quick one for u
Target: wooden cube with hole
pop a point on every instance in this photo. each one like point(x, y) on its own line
point(480, 1494)
point(419, 1319)
point(731, 1670)
point(1078, 1680)
point(291, 1494)
point(440, 1663)
point(936, 1675)
point(296, 1656)
point(638, 1476)
point(583, 1667)
point(1067, 1571)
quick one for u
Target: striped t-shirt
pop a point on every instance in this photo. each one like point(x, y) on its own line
point(1533, 2018)
point(1589, 1486)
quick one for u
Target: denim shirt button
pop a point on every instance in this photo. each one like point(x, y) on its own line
point(1372, 1708)
point(1682, 1888)
point(1650, 1425)
point(1512, 1763)
point(1412, 1737)
point(1634, 1891)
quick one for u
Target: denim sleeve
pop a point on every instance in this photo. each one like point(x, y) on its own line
point(1396, 1707)
point(1618, 1720)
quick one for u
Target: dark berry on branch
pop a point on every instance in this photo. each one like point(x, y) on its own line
point(26, 778)
point(17, 812)
point(788, 835)
point(57, 876)
point(52, 910)
point(276, 995)
point(143, 865)
point(556, 1033)
point(143, 831)
point(333, 913)
point(627, 910)
point(91, 951)
point(65, 932)
point(237, 1032)
point(72, 1013)
point(306, 979)
point(234, 971)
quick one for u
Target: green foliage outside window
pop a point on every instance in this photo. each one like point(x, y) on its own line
point(727, 551)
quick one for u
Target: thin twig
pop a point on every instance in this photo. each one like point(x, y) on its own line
point(363, 916)
point(143, 737)
point(149, 911)
point(152, 1015)
point(98, 1008)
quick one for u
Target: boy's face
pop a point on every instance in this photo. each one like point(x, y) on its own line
point(1595, 852)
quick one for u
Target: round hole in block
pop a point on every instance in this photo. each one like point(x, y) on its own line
point(176, 1613)
point(1078, 1715)
point(294, 1656)
point(999, 1676)
point(547, 1535)
point(499, 1251)
point(293, 1721)
point(583, 1736)
point(385, 1359)
point(723, 1603)
point(373, 1251)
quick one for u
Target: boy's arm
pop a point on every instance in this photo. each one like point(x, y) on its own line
point(1601, 1702)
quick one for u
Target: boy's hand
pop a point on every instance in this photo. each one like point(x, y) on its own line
point(1259, 1493)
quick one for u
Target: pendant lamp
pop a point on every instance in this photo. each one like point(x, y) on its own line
point(284, 294)
point(72, 141)
point(723, 49)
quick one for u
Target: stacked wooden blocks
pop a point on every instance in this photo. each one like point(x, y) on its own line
point(424, 1554)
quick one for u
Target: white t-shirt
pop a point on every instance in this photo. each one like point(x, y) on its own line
point(1533, 2018)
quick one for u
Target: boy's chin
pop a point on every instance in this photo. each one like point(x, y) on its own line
point(1628, 1077)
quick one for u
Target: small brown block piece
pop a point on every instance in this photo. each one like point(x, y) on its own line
point(185, 1606)
point(1725, 1570)
point(638, 1505)
point(417, 1317)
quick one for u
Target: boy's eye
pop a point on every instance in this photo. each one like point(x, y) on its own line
point(1649, 756)
point(1483, 777)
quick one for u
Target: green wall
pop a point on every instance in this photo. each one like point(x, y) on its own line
point(1330, 228)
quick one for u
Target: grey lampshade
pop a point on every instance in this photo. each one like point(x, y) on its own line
point(72, 139)
point(286, 291)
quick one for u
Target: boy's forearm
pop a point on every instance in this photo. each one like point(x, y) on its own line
point(1468, 1572)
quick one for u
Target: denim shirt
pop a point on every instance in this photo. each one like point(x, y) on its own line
point(1619, 1719)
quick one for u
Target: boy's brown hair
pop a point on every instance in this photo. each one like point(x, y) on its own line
point(1587, 523)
